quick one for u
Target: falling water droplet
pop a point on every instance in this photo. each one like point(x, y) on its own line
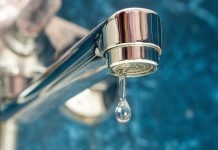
point(123, 110)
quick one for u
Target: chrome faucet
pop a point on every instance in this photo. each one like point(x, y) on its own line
point(128, 40)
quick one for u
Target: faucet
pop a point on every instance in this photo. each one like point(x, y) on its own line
point(129, 40)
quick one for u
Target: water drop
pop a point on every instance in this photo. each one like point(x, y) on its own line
point(123, 110)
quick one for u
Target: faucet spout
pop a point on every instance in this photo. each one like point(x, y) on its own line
point(132, 41)
point(128, 40)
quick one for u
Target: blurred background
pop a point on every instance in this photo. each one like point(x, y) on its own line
point(174, 109)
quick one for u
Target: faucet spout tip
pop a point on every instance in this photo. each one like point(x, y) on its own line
point(132, 41)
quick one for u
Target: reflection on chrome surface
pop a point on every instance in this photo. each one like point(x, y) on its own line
point(129, 40)
point(123, 52)
point(92, 105)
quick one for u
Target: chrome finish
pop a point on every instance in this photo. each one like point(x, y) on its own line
point(132, 26)
point(129, 40)
point(134, 60)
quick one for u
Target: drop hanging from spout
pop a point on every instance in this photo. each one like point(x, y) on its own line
point(123, 110)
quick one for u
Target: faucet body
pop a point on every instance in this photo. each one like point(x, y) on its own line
point(129, 40)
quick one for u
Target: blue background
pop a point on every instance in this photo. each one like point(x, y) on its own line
point(174, 109)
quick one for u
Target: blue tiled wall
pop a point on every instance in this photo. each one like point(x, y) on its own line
point(173, 109)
